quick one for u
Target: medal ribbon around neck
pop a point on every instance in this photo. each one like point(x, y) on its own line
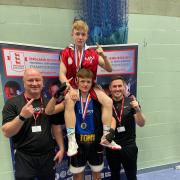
point(121, 112)
point(84, 108)
point(78, 57)
point(36, 114)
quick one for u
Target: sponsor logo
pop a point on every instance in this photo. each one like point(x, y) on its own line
point(70, 61)
point(89, 58)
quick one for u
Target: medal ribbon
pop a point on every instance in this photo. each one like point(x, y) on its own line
point(121, 112)
point(84, 108)
point(36, 114)
point(78, 57)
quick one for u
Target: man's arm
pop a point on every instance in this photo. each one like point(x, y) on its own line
point(103, 61)
point(53, 108)
point(58, 134)
point(12, 127)
point(139, 116)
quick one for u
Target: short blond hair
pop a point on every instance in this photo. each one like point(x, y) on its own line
point(80, 24)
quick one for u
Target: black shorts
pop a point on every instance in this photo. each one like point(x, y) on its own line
point(28, 167)
point(88, 152)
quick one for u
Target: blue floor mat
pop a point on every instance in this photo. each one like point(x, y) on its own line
point(165, 174)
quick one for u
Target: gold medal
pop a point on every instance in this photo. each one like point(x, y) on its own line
point(83, 125)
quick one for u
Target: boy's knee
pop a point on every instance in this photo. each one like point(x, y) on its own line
point(110, 102)
point(107, 102)
point(68, 101)
point(67, 97)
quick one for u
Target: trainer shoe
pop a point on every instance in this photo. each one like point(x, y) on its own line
point(72, 145)
point(112, 145)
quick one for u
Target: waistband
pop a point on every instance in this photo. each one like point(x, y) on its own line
point(85, 137)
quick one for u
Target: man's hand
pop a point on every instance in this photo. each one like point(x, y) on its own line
point(63, 89)
point(134, 103)
point(60, 91)
point(27, 110)
point(59, 156)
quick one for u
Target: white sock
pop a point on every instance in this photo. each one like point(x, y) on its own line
point(70, 131)
point(106, 128)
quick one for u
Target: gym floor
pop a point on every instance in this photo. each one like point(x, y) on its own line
point(165, 174)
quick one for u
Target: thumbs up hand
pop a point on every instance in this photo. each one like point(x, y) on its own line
point(134, 103)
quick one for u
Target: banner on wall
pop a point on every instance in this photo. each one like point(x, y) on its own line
point(15, 58)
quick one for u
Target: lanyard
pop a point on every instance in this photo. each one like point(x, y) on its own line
point(84, 108)
point(121, 112)
point(36, 114)
point(78, 58)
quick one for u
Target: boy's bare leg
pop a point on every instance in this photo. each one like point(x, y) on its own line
point(70, 120)
point(107, 106)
